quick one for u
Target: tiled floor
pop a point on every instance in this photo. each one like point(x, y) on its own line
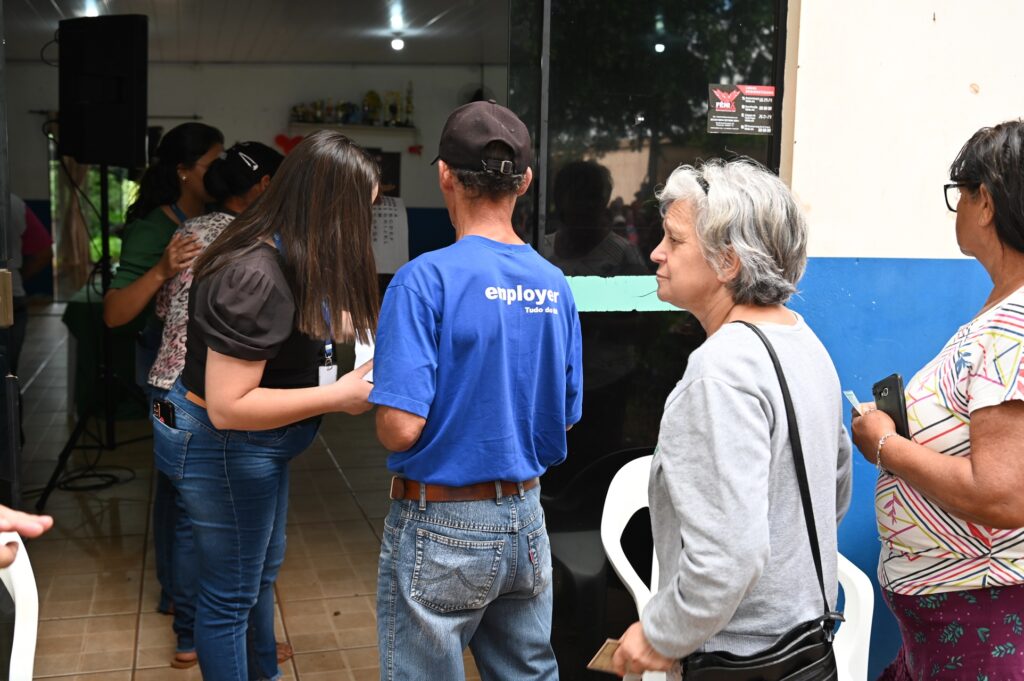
point(97, 587)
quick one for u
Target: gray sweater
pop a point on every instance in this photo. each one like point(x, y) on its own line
point(729, 533)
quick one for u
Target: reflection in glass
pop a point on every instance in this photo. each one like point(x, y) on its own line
point(584, 242)
point(638, 112)
point(621, 115)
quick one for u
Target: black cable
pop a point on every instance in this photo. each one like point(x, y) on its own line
point(42, 50)
point(106, 476)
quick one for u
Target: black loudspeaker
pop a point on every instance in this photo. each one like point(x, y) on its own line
point(103, 63)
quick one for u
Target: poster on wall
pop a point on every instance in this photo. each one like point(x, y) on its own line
point(390, 234)
point(740, 109)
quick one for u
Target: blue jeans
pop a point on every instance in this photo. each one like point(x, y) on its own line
point(165, 507)
point(234, 485)
point(174, 548)
point(470, 573)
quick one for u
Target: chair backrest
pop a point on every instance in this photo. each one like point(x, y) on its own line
point(627, 494)
point(21, 584)
point(853, 640)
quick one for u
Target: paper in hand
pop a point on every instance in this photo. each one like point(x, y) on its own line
point(602, 661)
point(852, 399)
point(364, 353)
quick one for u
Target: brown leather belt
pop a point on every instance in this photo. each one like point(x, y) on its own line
point(410, 489)
point(195, 399)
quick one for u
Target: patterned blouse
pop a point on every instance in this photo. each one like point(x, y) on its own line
point(926, 550)
point(172, 303)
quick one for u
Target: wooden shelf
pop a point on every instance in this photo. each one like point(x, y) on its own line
point(353, 131)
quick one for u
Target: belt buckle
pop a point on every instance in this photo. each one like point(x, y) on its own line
point(397, 488)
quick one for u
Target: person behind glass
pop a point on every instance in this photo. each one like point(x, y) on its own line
point(234, 181)
point(584, 243)
point(171, 191)
point(478, 377)
point(29, 251)
point(295, 270)
point(948, 500)
point(726, 514)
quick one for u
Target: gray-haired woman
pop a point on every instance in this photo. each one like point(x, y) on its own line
point(729, 532)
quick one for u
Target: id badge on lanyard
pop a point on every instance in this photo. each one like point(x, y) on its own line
point(328, 371)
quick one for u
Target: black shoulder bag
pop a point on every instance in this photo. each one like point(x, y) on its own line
point(804, 653)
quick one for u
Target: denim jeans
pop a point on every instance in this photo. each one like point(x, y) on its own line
point(174, 548)
point(234, 485)
point(165, 508)
point(470, 573)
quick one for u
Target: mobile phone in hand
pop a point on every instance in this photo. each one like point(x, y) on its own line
point(889, 398)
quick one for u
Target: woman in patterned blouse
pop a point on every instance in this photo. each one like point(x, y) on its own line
point(948, 501)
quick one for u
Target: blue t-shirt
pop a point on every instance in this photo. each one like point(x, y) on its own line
point(482, 339)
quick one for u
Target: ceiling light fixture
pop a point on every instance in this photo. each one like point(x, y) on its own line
point(397, 44)
point(91, 10)
point(397, 24)
point(659, 47)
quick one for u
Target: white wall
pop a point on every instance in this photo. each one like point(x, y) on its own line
point(886, 94)
point(252, 103)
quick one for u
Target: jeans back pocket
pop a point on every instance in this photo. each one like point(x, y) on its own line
point(170, 445)
point(540, 558)
point(454, 574)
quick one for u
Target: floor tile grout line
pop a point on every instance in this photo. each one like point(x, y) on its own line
point(362, 510)
point(142, 581)
point(44, 364)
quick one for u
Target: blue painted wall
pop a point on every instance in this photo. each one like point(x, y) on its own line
point(879, 316)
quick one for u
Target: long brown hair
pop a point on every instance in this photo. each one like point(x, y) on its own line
point(319, 204)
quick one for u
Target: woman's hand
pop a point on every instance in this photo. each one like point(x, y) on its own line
point(353, 391)
point(869, 429)
point(179, 254)
point(636, 655)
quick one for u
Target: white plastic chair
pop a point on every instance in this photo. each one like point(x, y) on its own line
point(21, 584)
point(853, 640)
point(627, 494)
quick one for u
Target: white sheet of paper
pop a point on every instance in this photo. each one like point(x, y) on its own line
point(364, 353)
point(390, 234)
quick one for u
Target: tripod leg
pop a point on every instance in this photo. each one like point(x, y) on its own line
point(62, 462)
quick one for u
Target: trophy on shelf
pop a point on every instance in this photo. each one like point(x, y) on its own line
point(392, 107)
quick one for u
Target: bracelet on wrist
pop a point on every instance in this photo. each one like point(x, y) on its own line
point(878, 453)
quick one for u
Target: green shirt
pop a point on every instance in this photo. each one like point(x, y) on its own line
point(142, 246)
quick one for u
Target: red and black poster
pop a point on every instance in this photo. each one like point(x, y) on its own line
point(740, 109)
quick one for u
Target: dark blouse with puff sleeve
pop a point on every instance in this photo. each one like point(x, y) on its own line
point(246, 310)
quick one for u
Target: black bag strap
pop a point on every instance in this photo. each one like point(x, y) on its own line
point(801, 468)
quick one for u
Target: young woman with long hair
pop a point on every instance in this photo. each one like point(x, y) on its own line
point(234, 181)
point(295, 271)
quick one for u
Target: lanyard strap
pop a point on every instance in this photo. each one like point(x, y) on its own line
point(178, 213)
point(329, 343)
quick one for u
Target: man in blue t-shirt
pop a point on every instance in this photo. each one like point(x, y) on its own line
point(477, 377)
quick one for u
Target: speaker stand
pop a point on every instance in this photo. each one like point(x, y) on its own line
point(107, 439)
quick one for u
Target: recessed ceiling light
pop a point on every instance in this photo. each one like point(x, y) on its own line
point(91, 10)
point(397, 44)
point(659, 48)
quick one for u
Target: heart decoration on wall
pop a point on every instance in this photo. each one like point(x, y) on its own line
point(286, 143)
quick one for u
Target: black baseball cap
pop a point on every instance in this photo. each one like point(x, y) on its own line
point(471, 127)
